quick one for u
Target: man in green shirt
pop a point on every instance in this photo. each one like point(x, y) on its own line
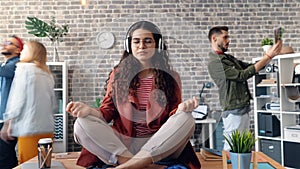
point(231, 75)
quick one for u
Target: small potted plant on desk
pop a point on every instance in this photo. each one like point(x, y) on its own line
point(241, 144)
point(266, 43)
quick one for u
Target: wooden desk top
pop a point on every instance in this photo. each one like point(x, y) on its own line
point(69, 161)
point(261, 157)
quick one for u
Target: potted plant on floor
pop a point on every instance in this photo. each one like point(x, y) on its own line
point(266, 43)
point(52, 30)
point(241, 144)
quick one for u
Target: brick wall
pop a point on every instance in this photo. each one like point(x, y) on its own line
point(185, 24)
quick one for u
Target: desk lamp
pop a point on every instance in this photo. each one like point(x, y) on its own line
point(205, 85)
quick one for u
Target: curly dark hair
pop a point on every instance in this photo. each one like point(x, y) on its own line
point(127, 70)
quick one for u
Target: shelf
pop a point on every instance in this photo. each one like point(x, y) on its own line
point(270, 138)
point(293, 141)
point(291, 112)
point(265, 89)
point(266, 96)
point(290, 84)
point(59, 72)
point(266, 73)
point(267, 85)
point(269, 111)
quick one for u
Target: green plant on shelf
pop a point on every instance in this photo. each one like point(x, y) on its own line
point(266, 41)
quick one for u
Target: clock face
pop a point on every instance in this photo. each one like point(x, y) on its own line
point(105, 39)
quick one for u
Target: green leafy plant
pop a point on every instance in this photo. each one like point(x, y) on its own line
point(240, 142)
point(53, 31)
point(97, 103)
point(266, 41)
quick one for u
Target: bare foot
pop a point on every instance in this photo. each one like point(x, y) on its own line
point(124, 157)
point(141, 160)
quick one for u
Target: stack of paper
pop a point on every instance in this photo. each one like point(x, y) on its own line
point(209, 156)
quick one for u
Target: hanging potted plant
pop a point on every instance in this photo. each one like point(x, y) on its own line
point(52, 30)
point(241, 144)
point(266, 43)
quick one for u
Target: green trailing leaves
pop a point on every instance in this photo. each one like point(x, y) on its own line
point(53, 31)
point(266, 41)
point(240, 142)
point(36, 27)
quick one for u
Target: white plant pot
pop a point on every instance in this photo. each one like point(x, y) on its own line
point(55, 54)
point(266, 47)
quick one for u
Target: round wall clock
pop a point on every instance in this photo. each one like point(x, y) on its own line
point(106, 40)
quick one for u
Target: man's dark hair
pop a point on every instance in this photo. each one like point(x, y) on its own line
point(216, 30)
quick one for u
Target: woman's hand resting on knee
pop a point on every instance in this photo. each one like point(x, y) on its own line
point(188, 105)
point(79, 109)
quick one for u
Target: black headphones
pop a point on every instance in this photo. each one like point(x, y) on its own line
point(149, 26)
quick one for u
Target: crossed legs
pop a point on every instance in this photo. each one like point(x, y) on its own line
point(100, 139)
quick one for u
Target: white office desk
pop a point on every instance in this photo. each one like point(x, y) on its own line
point(210, 122)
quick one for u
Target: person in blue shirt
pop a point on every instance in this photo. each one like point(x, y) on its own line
point(11, 49)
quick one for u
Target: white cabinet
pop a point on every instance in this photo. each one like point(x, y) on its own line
point(59, 71)
point(276, 109)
